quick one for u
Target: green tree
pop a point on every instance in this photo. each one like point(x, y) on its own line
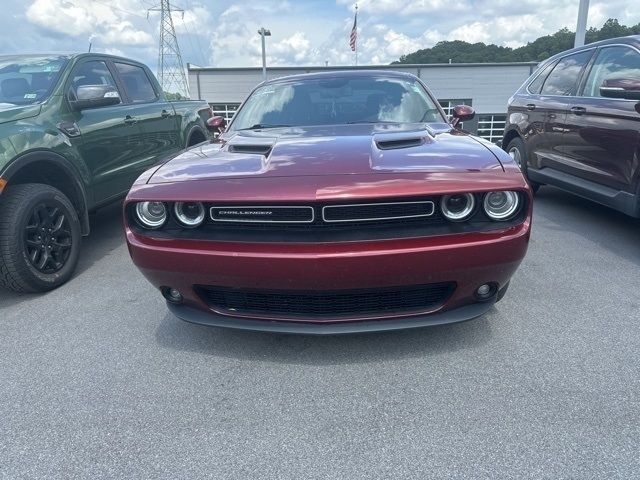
point(174, 96)
point(540, 49)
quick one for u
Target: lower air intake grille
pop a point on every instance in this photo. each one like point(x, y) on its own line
point(343, 303)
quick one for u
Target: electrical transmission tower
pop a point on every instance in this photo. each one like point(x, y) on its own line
point(170, 67)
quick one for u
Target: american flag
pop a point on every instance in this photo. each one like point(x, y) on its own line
point(354, 33)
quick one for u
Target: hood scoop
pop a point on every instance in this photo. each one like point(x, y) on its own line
point(395, 141)
point(251, 149)
point(251, 146)
point(403, 143)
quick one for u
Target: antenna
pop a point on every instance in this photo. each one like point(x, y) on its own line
point(171, 73)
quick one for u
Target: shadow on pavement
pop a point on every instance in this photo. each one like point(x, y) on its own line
point(175, 334)
point(610, 229)
point(106, 235)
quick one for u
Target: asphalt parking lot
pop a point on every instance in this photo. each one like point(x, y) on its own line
point(97, 379)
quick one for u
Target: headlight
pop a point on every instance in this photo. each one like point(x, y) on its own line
point(458, 207)
point(189, 214)
point(151, 214)
point(501, 205)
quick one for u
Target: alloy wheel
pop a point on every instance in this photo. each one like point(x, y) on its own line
point(515, 154)
point(48, 240)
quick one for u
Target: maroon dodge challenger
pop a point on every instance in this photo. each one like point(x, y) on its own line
point(334, 202)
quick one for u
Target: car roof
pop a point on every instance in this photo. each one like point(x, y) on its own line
point(343, 74)
point(39, 55)
point(633, 40)
point(68, 56)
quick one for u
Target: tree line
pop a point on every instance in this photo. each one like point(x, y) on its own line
point(540, 49)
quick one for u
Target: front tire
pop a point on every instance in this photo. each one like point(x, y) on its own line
point(40, 238)
point(518, 152)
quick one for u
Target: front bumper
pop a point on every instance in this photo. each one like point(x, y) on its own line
point(212, 319)
point(469, 260)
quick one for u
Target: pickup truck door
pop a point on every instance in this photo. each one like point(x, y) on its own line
point(110, 139)
point(156, 117)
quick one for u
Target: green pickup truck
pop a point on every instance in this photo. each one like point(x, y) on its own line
point(75, 132)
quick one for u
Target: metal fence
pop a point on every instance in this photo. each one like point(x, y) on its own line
point(226, 110)
point(491, 127)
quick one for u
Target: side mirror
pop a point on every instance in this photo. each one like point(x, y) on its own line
point(94, 96)
point(626, 88)
point(216, 124)
point(462, 113)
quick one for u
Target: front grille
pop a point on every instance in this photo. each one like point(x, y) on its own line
point(321, 304)
point(377, 211)
point(262, 214)
point(324, 217)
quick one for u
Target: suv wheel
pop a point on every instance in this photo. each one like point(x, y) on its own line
point(517, 151)
point(39, 238)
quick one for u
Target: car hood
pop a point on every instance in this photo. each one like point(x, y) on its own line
point(10, 112)
point(332, 150)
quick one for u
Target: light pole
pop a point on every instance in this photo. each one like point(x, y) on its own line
point(263, 32)
point(583, 13)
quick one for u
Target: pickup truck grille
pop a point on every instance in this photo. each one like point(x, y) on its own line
point(330, 305)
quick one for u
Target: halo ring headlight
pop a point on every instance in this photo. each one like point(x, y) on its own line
point(458, 207)
point(501, 205)
point(151, 214)
point(189, 214)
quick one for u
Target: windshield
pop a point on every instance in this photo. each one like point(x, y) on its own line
point(335, 101)
point(26, 80)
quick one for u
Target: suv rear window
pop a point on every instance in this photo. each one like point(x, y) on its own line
point(564, 77)
point(536, 85)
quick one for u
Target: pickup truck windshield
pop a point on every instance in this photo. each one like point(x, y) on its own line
point(27, 80)
point(335, 101)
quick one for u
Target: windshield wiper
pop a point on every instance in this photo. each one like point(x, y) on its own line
point(264, 125)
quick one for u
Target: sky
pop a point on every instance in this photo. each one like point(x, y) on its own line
point(304, 32)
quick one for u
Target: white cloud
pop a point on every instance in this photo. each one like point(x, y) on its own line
point(109, 24)
point(297, 46)
point(304, 32)
point(124, 33)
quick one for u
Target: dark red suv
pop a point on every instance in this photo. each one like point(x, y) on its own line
point(575, 123)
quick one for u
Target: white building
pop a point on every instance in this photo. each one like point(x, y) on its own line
point(485, 86)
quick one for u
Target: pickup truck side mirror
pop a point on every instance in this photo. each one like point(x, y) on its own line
point(462, 113)
point(94, 96)
point(216, 124)
point(626, 88)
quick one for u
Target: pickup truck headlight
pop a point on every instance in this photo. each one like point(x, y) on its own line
point(151, 214)
point(189, 214)
point(458, 207)
point(501, 205)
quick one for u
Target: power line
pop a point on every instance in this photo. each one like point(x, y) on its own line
point(117, 8)
point(201, 56)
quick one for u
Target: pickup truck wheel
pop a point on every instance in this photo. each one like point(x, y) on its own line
point(39, 238)
point(516, 150)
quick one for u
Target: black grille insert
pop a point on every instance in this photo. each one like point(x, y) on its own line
point(262, 214)
point(377, 211)
point(322, 304)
